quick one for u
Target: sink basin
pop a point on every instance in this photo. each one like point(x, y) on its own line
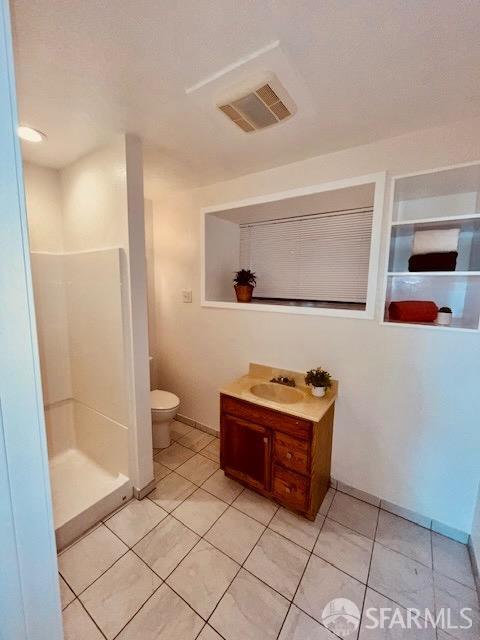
point(277, 393)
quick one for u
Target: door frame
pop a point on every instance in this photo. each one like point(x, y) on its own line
point(29, 590)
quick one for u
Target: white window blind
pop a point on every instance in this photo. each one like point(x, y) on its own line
point(322, 257)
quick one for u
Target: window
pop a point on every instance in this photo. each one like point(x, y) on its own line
point(314, 250)
point(321, 258)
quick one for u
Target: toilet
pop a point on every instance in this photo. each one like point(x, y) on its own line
point(164, 407)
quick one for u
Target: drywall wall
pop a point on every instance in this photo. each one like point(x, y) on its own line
point(406, 416)
point(222, 258)
point(44, 207)
point(45, 228)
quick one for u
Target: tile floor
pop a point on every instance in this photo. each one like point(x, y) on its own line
point(204, 558)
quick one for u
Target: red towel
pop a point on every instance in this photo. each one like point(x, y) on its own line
point(413, 311)
point(433, 262)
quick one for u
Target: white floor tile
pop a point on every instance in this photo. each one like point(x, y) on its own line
point(212, 450)
point(235, 534)
point(77, 625)
point(135, 520)
point(453, 596)
point(354, 514)
point(171, 491)
point(202, 577)
point(391, 628)
point(278, 562)
point(174, 455)
point(66, 594)
point(256, 506)
point(179, 429)
point(295, 528)
point(451, 559)
point(197, 469)
point(164, 547)
point(208, 633)
point(199, 511)
point(327, 502)
point(87, 559)
point(159, 470)
point(164, 617)
point(118, 594)
point(322, 583)
point(346, 549)
point(224, 488)
point(299, 626)
point(405, 537)
point(249, 610)
point(196, 440)
point(401, 579)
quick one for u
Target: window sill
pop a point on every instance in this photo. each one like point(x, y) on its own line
point(327, 309)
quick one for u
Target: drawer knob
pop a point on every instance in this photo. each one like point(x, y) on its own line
point(265, 440)
point(289, 455)
point(288, 490)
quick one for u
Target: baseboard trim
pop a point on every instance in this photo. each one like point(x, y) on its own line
point(407, 514)
point(198, 425)
point(369, 498)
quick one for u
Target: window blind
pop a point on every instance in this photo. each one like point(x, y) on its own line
point(322, 257)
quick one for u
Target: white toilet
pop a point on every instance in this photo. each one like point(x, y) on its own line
point(164, 408)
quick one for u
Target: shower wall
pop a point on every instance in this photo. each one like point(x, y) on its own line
point(81, 225)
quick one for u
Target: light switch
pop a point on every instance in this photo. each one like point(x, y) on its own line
point(187, 295)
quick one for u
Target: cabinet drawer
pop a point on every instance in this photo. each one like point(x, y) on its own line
point(290, 488)
point(297, 427)
point(291, 452)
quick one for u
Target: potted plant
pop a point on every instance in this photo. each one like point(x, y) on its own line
point(319, 380)
point(244, 282)
point(444, 316)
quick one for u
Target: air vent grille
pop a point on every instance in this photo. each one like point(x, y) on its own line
point(256, 110)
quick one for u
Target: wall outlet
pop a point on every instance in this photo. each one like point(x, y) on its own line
point(186, 295)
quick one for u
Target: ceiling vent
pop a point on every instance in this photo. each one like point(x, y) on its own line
point(257, 109)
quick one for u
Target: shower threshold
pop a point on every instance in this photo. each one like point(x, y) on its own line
point(83, 492)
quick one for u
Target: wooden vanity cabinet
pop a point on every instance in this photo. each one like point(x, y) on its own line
point(278, 455)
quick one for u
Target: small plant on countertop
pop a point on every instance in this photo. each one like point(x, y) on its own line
point(244, 281)
point(320, 380)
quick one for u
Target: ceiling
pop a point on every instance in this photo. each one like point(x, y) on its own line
point(362, 69)
point(335, 200)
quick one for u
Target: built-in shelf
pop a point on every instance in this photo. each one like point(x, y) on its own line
point(443, 199)
point(433, 274)
point(441, 220)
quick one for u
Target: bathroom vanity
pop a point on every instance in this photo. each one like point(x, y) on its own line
point(277, 440)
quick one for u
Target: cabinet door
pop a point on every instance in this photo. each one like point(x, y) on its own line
point(246, 451)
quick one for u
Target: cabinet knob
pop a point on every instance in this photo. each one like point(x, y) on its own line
point(288, 490)
point(289, 455)
point(265, 440)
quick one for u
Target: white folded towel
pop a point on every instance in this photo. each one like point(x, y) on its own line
point(435, 241)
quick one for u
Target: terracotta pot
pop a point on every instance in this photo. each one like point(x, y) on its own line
point(244, 292)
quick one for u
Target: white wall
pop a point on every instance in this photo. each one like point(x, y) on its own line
point(406, 417)
point(222, 258)
point(44, 207)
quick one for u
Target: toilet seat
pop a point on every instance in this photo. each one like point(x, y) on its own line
point(163, 400)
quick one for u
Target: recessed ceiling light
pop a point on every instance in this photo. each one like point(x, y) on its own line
point(30, 135)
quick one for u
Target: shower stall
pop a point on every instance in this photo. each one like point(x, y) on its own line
point(83, 227)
